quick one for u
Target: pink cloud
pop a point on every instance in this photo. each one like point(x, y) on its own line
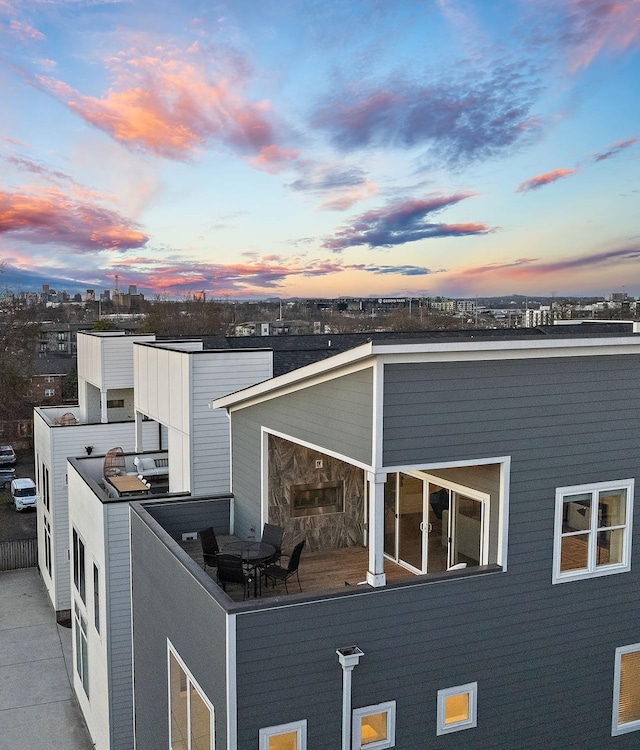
point(273, 159)
point(24, 32)
point(173, 104)
point(533, 183)
point(49, 216)
point(614, 148)
point(344, 198)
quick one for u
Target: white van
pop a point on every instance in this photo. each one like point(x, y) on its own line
point(24, 495)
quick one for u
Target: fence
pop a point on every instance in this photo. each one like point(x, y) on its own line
point(22, 553)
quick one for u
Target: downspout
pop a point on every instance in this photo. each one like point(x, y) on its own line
point(348, 656)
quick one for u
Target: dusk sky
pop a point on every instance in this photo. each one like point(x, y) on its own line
point(280, 148)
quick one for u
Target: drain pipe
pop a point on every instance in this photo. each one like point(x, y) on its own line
point(349, 656)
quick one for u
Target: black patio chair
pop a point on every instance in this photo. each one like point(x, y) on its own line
point(278, 573)
point(210, 548)
point(272, 534)
point(232, 570)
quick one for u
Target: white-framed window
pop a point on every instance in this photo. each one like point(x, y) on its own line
point(457, 708)
point(96, 597)
point(592, 530)
point(626, 690)
point(49, 392)
point(292, 736)
point(79, 572)
point(191, 715)
point(82, 652)
point(374, 727)
point(47, 543)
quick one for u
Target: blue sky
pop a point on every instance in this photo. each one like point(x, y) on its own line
point(321, 148)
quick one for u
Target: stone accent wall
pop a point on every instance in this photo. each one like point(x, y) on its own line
point(291, 464)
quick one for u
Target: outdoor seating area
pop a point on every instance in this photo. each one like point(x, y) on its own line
point(299, 572)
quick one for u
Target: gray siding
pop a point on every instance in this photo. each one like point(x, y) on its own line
point(193, 516)
point(170, 602)
point(542, 655)
point(119, 624)
point(337, 415)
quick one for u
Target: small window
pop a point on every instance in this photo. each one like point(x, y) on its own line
point(626, 690)
point(457, 708)
point(96, 597)
point(62, 347)
point(79, 578)
point(115, 403)
point(49, 392)
point(374, 727)
point(291, 736)
point(592, 530)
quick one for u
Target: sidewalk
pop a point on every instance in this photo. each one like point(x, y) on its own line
point(38, 710)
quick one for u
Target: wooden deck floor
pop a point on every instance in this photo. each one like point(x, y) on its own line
point(320, 572)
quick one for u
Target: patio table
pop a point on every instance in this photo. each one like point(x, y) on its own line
point(250, 552)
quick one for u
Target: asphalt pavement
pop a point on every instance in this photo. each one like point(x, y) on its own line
point(38, 709)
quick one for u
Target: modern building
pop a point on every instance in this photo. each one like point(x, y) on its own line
point(477, 498)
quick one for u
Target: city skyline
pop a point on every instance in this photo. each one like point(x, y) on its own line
point(321, 149)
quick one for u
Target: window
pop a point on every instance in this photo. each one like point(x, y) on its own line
point(291, 736)
point(45, 486)
point(49, 379)
point(626, 690)
point(592, 530)
point(191, 714)
point(96, 597)
point(49, 392)
point(47, 544)
point(62, 347)
point(80, 636)
point(457, 708)
point(78, 566)
point(374, 727)
point(115, 403)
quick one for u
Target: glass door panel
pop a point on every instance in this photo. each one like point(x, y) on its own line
point(390, 516)
point(466, 530)
point(410, 521)
point(438, 528)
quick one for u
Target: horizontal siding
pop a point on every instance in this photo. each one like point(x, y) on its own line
point(170, 603)
point(531, 653)
point(336, 415)
point(193, 516)
point(119, 626)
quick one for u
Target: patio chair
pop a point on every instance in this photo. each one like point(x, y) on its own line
point(210, 548)
point(272, 534)
point(278, 573)
point(232, 570)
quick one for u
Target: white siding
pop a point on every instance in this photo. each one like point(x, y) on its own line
point(106, 359)
point(87, 517)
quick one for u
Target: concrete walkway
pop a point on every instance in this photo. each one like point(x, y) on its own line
point(38, 710)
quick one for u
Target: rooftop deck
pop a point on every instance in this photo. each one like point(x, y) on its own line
point(320, 572)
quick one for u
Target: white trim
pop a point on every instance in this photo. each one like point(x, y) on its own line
point(319, 448)
point(264, 477)
point(232, 686)
point(630, 726)
point(293, 726)
point(171, 651)
point(345, 363)
point(358, 713)
point(592, 570)
point(456, 351)
point(377, 415)
point(471, 689)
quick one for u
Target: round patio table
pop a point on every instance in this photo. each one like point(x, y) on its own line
point(250, 552)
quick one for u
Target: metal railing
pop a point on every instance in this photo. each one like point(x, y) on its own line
point(21, 553)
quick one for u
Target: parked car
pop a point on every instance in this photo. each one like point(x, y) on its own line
point(7, 473)
point(24, 495)
point(7, 456)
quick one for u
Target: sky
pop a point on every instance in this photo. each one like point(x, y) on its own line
point(321, 148)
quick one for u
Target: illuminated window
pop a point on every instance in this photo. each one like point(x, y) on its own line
point(374, 727)
point(592, 530)
point(291, 736)
point(457, 708)
point(190, 713)
point(626, 690)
